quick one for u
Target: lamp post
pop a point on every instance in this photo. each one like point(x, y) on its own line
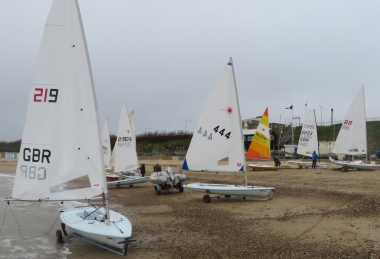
point(186, 124)
point(321, 114)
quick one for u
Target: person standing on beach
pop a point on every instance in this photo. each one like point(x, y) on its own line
point(314, 157)
point(276, 161)
point(142, 170)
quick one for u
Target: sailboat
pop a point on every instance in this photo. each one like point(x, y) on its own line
point(308, 142)
point(125, 153)
point(352, 137)
point(217, 142)
point(61, 150)
point(260, 145)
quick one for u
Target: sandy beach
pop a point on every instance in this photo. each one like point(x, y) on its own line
point(314, 213)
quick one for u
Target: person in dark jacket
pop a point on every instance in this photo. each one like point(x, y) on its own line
point(276, 161)
point(142, 170)
point(314, 157)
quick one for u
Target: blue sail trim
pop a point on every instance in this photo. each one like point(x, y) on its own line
point(184, 165)
point(242, 168)
point(229, 63)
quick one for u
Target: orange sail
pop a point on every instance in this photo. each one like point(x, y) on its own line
point(260, 145)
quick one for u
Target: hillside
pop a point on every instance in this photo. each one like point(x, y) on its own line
point(177, 142)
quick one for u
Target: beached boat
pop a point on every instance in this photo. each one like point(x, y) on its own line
point(217, 142)
point(125, 154)
point(61, 150)
point(308, 142)
point(260, 145)
point(352, 137)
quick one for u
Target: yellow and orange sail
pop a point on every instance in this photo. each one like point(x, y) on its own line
point(260, 145)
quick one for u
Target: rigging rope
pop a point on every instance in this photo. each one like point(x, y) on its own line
point(19, 227)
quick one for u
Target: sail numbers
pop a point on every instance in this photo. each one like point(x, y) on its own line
point(221, 132)
point(346, 125)
point(216, 129)
point(124, 141)
point(45, 95)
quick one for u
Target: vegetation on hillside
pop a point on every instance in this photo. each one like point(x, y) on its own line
point(177, 142)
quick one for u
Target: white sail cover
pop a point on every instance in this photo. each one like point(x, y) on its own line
point(308, 142)
point(352, 137)
point(106, 144)
point(61, 152)
point(125, 148)
point(217, 143)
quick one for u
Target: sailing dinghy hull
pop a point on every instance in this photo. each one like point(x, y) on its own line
point(357, 165)
point(255, 167)
point(93, 227)
point(130, 180)
point(233, 190)
point(303, 164)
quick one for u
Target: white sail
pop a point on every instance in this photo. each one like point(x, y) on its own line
point(308, 142)
point(125, 148)
point(217, 142)
point(106, 144)
point(133, 125)
point(352, 137)
point(61, 154)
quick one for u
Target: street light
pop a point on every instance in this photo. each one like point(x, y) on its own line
point(321, 114)
point(186, 124)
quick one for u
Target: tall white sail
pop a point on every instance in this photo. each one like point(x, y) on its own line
point(217, 143)
point(106, 144)
point(308, 142)
point(352, 137)
point(61, 154)
point(125, 147)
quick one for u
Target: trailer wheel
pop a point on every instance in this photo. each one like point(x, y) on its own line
point(206, 198)
point(227, 196)
point(118, 186)
point(344, 169)
point(180, 189)
point(157, 191)
point(131, 185)
point(58, 236)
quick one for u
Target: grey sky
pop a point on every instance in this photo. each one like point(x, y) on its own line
point(163, 57)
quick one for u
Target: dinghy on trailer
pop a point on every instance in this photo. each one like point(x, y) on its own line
point(61, 144)
point(125, 154)
point(217, 142)
point(352, 137)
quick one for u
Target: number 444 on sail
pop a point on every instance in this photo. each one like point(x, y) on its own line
point(216, 129)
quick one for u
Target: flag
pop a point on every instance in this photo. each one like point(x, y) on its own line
point(291, 107)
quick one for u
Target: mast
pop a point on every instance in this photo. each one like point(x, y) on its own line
point(365, 126)
point(105, 190)
point(241, 129)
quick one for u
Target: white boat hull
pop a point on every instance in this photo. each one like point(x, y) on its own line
point(225, 189)
point(116, 234)
point(356, 164)
point(262, 167)
point(308, 164)
point(130, 180)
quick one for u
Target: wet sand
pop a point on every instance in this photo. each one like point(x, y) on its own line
point(314, 213)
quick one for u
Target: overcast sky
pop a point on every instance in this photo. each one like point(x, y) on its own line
point(163, 57)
